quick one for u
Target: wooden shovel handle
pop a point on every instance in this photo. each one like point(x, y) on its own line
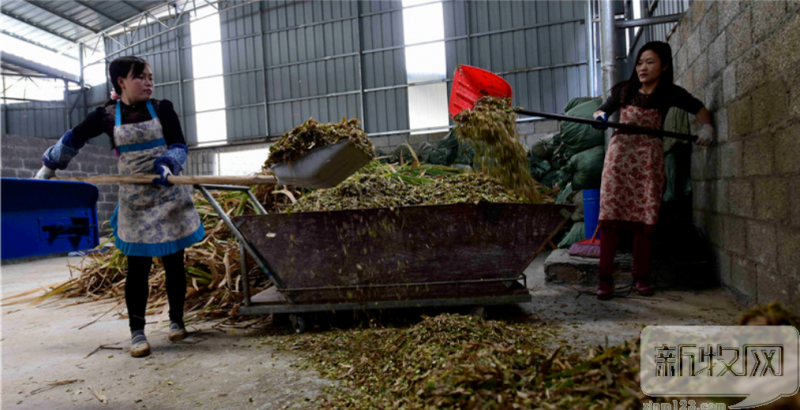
point(176, 179)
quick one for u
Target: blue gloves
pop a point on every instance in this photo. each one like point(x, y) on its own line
point(600, 116)
point(171, 163)
point(164, 171)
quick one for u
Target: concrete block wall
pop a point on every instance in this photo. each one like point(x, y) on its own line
point(740, 58)
point(21, 157)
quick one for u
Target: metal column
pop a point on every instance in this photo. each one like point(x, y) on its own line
point(66, 104)
point(81, 52)
point(180, 69)
point(608, 62)
point(590, 59)
point(360, 36)
point(263, 67)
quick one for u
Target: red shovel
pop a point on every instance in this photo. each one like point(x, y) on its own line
point(472, 83)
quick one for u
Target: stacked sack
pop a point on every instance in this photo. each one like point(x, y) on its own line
point(571, 160)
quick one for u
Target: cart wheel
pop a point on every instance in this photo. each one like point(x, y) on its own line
point(479, 311)
point(298, 323)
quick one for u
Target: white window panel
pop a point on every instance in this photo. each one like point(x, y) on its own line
point(427, 106)
point(425, 62)
point(207, 60)
point(209, 94)
point(424, 23)
point(242, 162)
point(211, 128)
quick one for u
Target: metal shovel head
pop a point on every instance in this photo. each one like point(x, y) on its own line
point(323, 167)
point(472, 83)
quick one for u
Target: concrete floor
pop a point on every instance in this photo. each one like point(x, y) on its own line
point(218, 370)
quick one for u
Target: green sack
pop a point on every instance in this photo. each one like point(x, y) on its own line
point(586, 168)
point(576, 234)
point(544, 148)
point(677, 157)
point(580, 137)
point(562, 179)
point(549, 179)
point(561, 156)
point(538, 167)
point(563, 196)
point(577, 200)
point(446, 150)
point(424, 151)
point(466, 154)
point(576, 102)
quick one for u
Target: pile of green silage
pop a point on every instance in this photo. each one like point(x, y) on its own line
point(312, 134)
point(490, 127)
point(385, 186)
point(465, 362)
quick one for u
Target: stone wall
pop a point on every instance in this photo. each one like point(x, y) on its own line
point(740, 58)
point(21, 157)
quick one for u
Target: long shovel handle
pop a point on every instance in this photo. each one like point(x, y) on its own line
point(176, 179)
point(633, 129)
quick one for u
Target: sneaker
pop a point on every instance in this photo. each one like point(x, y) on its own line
point(139, 345)
point(176, 332)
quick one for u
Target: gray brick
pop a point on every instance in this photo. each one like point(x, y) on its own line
point(772, 286)
point(782, 48)
point(772, 198)
point(740, 118)
point(713, 94)
point(546, 126)
point(720, 119)
point(12, 163)
point(761, 242)
point(380, 142)
point(731, 159)
point(8, 173)
point(695, 48)
point(750, 73)
point(416, 139)
point(723, 267)
point(396, 140)
point(728, 10)
point(789, 253)
point(758, 155)
point(739, 37)
point(716, 55)
point(729, 83)
point(709, 26)
point(735, 231)
point(787, 144)
point(794, 209)
point(740, 193)
point(700, 190)
point(766, 17)
point(525, 128)
point(719, 199)
point(770, 105)
point(743, 277)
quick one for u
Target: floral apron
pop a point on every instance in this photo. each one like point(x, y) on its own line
point(633, 175)
point(150, 220)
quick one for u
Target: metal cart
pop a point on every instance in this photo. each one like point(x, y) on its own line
point(416, 256)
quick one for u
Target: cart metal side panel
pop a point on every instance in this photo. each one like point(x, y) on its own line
point(390, 254)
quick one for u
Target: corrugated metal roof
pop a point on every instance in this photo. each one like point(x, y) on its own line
point(59, 25)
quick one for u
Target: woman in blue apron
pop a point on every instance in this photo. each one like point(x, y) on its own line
point(151, 220)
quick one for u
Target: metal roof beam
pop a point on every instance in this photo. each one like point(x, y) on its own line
point(36, 43)
point(92, 8)
point(39, 26)
point(39, 68)
point(127, 3)
point(73, 21)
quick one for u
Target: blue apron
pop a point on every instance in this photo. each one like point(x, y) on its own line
point(150, 219)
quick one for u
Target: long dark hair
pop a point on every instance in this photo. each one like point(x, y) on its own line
point(631, 87)
point(122, 66)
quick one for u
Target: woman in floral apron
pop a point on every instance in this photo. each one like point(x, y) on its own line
point(151, 220)
point(633, 173)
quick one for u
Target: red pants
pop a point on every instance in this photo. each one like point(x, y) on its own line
point(609, 240)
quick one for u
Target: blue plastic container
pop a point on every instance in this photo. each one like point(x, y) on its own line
point(41, 217)
point(591, 210)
